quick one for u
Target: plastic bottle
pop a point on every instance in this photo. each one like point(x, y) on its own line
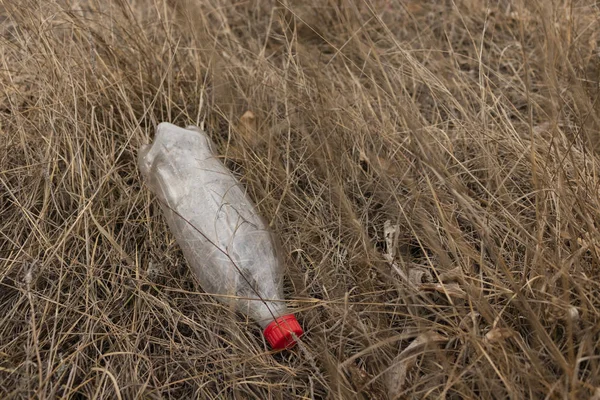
point(224, 240)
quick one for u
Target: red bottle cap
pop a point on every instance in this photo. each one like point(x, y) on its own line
point(280, 332)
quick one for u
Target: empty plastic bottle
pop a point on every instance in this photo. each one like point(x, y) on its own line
point(225, 242)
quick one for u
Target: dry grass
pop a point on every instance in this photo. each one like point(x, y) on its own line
point(473, 127)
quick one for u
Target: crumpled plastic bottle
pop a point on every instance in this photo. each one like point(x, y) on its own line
point(225, 242)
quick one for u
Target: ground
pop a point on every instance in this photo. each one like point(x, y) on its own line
point(431, 169)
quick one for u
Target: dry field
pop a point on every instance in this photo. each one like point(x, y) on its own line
point(430, 167)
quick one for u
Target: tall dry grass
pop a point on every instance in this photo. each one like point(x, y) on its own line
point(431, 168)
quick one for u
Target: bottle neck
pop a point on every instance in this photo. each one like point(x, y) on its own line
point(270, 312)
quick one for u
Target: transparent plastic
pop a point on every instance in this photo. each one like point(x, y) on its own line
point(225, 242)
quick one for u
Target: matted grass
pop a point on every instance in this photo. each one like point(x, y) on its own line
point(431, 168)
